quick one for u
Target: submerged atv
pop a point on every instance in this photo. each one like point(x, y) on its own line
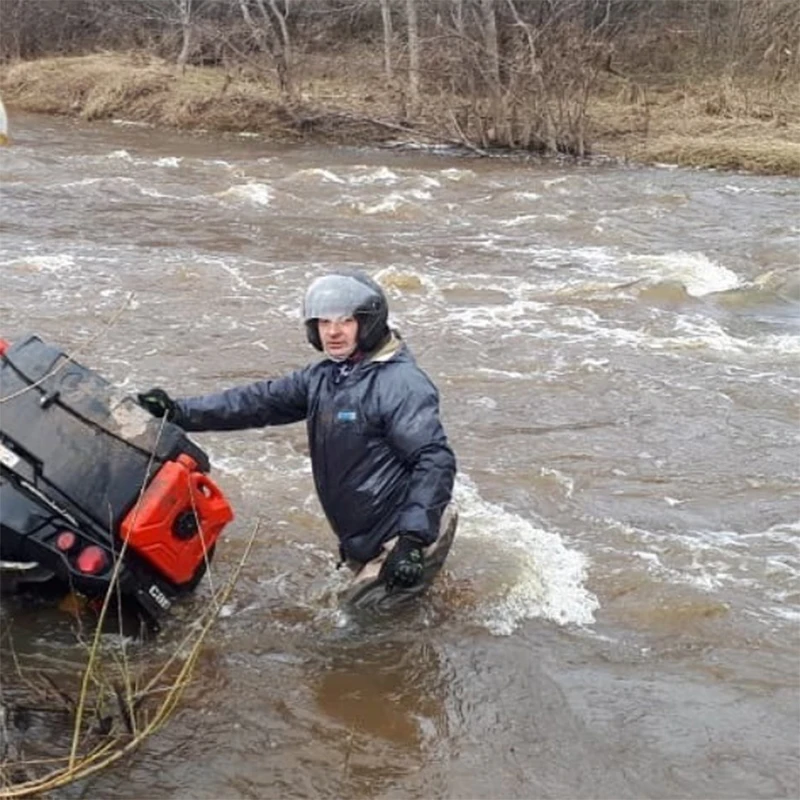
point(94, 490)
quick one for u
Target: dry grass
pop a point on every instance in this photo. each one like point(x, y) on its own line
point(104, 710)
point(711, 123)
point(701, 122)
point(735, 152)
point(139, 88)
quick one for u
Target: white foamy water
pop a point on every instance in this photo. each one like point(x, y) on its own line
point(453, 174)
point(411, 199)
point(367, 176)
point(325, 175)
point(538, 307)
point(695, 271)
point(700, 333)
point(527, 572)
point(121, 155)
point(58, 263)
point(259, 194)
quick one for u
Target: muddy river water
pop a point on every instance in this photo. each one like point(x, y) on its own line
point(617, 354)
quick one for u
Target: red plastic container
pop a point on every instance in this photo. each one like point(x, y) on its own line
point(178, 518)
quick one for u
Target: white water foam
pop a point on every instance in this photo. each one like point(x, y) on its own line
point(393, 201)
point(457, 174)
point(532, 310)
point(83, 182)
point(56, 263)
point(526, 196)
point(527, 572)
point(120, 155)
point(698, 274)
point(148, 192)
point(562, 480)
point(326, 175)
point(259, 194)
point(216, 162)
point(382, 175)
point(514, 316)
point(785, 344)
point(168, 161)
point(427, 182)
point(701, 333)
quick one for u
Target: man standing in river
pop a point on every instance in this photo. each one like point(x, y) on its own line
point(382, 466)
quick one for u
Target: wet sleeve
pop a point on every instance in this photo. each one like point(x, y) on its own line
point(415, 432)
point(270, 402)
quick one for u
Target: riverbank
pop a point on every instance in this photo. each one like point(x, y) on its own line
point(708, 123)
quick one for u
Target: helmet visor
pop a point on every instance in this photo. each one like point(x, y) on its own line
point(335, 297)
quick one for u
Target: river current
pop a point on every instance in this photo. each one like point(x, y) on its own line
point(617, 355)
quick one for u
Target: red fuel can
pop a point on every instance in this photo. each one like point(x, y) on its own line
point(177, 520)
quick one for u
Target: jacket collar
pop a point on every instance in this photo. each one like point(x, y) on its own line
point(387, 350)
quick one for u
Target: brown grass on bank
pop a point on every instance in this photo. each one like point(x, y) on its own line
point(753, 126)
point(702, 123)
point(147, 89)
point(138, 88)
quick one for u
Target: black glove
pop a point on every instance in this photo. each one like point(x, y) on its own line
point(158, 403)
point(403, 566)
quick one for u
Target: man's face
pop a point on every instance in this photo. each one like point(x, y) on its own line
point(339, 336)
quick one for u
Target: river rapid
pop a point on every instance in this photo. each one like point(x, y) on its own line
point(617, 355)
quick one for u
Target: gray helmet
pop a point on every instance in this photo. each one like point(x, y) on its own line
point(347, 294)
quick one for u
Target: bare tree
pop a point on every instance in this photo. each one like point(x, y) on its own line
point(490, 39)
point(458, 17)
point(185, 17)
point(156, 21)
point(413, 56)
point(388, 35)
point(489, 21)
point(269, 28)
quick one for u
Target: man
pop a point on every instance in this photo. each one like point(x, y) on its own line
point(382, 466)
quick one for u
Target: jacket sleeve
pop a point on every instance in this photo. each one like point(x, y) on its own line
point(270, 402)
point(415, 432)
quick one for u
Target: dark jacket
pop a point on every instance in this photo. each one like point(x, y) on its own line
point(379, 455)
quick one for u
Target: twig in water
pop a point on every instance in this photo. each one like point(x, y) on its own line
point(111, 751)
